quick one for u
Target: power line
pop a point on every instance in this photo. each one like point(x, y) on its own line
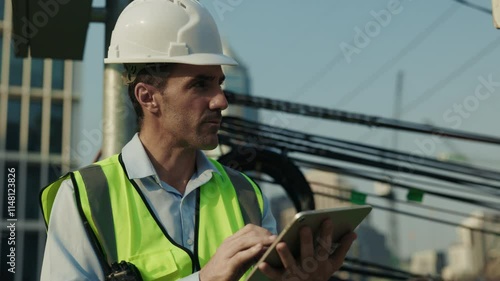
point(436, 220)
point(409, 47)
point(375, 206)
point(306, 163)
point(234, 130)
point(417, 40)
point(475, 6)
point(452, 76)
point(345, 116)
point(463, 200)
point(286, 145)
point(317, 76)
point(398, 179)
point(382, 70)
point(421, 206)
point(426, 95)
point(368, 150)
point(426, 207)
point(346, 171)
point(382, 267)
point(395, 179)
point(372, 273)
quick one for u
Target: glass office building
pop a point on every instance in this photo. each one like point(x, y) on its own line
point(37, 102)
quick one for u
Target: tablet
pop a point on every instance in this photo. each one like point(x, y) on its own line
point(345, 220)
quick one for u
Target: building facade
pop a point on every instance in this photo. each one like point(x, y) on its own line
point(328, 188)
point(427, 262)
point(37, 102)
point(476, 254)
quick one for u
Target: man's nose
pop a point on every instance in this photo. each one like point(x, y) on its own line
point(219, 102)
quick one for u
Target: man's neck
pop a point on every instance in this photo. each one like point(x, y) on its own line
point(174, 165)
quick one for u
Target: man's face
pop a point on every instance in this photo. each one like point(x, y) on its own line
point(191, 105)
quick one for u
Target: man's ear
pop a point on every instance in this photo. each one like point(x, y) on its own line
point(146, 96)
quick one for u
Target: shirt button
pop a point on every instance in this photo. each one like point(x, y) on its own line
point(190, 241)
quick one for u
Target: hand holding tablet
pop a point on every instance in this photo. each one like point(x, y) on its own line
point(313, 253)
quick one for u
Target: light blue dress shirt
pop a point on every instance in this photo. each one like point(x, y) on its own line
point(68, 252)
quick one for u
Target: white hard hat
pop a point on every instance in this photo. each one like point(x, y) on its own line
point(166, 31)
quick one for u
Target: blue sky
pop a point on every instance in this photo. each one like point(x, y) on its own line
point(293, 52)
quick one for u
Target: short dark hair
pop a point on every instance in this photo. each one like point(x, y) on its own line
point(153, 74)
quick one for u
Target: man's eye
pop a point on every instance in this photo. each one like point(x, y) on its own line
point(200, 84)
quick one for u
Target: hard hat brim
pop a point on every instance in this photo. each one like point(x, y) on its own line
point(194, 59)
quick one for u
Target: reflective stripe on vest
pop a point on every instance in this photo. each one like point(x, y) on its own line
point(142, 240)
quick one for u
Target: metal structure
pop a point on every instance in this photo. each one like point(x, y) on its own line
point(116, 113)
point(393, 220)
point(37, 31)
point(38, 98)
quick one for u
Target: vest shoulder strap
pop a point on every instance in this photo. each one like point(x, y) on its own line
point(96, 185)
point(247, 197)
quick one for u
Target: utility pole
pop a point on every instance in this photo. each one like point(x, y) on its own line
point(393, 219)
point(115, 110)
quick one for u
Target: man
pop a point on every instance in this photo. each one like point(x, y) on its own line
point(161, 206)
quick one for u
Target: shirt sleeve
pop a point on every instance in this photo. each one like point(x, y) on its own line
point(68, 252)
point(268, 220)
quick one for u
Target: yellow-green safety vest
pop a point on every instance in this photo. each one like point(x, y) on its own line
point(134, 234)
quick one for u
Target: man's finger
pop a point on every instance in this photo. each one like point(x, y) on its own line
point(306, 243)
point(345, 243)
point(243, 257)
point(250, 229)
point(269, 271)
point(325, 238)
point(234, 246)
point(286, 256)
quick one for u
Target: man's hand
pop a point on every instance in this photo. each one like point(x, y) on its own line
point(236, 254)
point(313, 264)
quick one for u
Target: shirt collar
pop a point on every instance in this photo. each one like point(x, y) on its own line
point(138, 165)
